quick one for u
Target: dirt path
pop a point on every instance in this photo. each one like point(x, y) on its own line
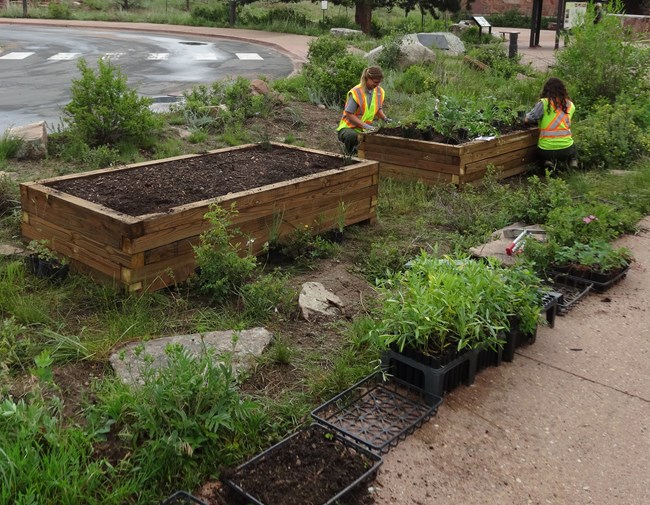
point(567, 422)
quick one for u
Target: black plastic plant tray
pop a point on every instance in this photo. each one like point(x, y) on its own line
point(550, 302)
point(182, 498)
point(572, 293)
point(598, 281)
point(378, 412)
point(268, 460)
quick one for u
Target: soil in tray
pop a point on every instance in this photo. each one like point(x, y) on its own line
point(308, 469)
point(167, 184)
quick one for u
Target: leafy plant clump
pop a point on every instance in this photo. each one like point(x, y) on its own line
point(105, 111)
point(452, 304)
point(222, 270)
point(598, 255)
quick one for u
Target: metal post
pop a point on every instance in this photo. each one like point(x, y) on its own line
point(560, 22)
point(232, 12)
point(512, 48)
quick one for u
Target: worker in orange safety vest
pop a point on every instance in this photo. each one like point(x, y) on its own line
point(553, 115)
point(364, 102)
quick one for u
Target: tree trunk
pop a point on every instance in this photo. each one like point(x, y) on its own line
point(363, 15)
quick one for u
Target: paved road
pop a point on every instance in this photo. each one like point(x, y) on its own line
point(37, 65)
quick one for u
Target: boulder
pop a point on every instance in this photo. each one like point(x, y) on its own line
point(316, 302)
point(345, 32)
point(460, 27)
point(34, 140)
point(131, 360)
point(415, 48)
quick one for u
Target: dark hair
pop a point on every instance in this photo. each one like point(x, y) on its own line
point(557, 95)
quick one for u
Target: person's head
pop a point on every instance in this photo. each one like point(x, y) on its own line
point(556, 93)
point(371, 77)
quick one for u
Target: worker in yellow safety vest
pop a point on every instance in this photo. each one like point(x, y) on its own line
point(364, 102)
point(553, 115)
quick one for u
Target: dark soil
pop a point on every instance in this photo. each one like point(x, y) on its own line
point(165, 185)
point(309, 468)
point(460, 136)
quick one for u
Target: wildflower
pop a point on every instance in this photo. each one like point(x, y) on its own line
point(589, 219)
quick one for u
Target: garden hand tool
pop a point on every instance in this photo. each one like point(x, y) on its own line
point(517, 243)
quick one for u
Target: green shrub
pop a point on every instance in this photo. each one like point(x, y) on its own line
point(104, 111)
point(218, 14)
point(222, 269)
point(539, 197)
point(609, 137)
point(9, 147)
point(184, 421)
point(331, 71)
point(496, 57)
point(585, 222)
point(267, 296)
point(58, 10)
point(416, 79)
point(602, 61)
point(390, 55)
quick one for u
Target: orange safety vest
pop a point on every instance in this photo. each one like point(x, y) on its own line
point(555, 127)
point(366, 112)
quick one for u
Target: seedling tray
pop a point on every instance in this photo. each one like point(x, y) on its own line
point(292, 479)
point(378, 412)
point(182, 498)
point(428, 374)
point(599, 281)
point(572, 294)
point(550, 303)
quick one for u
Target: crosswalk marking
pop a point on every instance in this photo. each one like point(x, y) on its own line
point(158, 56)
point(248, 56)
point(64, 56)
point(112, 56)
point(15, 56)
point(205, 57)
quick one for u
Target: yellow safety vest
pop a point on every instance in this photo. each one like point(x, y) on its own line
point(555, 127)
point(365, 112)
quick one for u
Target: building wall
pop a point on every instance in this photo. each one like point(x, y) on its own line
point(549, 7)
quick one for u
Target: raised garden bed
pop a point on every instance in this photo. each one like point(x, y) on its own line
point(315, 466)
point(135, 226)
point(440, 163)
point(378, 412)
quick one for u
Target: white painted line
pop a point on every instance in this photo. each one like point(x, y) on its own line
point(112, 56)
point(64, 56)
point(158, 56)
point(205, 57)
point(15, 56)
point(248, 56)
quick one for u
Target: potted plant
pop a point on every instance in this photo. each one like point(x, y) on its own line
point(45, 263)
point(441, 313)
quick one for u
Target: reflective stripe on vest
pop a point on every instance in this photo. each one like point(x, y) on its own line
point(559, 124)
point(555, 127)
point(365, 112)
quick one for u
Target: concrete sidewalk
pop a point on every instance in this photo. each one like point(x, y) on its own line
point(566, 423)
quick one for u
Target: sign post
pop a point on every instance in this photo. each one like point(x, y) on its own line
point(323, 6)
point(482, 23)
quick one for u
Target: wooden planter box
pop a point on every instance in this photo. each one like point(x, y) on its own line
point(436, 163)
point(153, 251)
